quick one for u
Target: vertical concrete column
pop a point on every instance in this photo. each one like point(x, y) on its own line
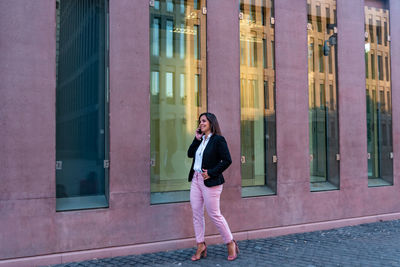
point(129, 97)
point(223, 64)
point(351, 90)
point(27, 127)
point(292, 97)
point(395, 76)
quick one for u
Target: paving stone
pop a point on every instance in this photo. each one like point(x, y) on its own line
point(375, 244)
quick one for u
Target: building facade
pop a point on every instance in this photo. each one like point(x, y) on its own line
point(100, 100)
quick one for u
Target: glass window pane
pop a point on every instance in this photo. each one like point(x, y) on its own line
point(170, 6)
point(257, 95)
point(81, 105)
point(366, 61)
point(155, 43)
point(273, 54)
point(323, 106)
point(371, 29)
point(386, 32)
point(178, 93)
point(182, 6)
point(169, 39)
point(182, 87)
point(372, 66)
point(311, 57)
point(379, 106)
point(169, 85)
point(387, 68)
point(265, 55)
point(321, 58)
point(380, 68)
point(196, 4)
point(378, 32)
point(319, 19)
point(196, 42)
point(155, 82)
point(182, 41)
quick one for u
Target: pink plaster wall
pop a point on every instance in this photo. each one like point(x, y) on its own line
point(27, 121)
point(30, 226)
point(395, 68)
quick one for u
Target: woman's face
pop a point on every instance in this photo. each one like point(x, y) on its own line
point(204, 125)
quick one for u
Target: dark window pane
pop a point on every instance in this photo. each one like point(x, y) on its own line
point(273, 54)
point(81, 105)
point(266, 95)
point(372, 66)
point(387, 68)
point(371, 30)
point(328, 16)
point(386, 32)
point(265, 54)
point(321, 58)
point(319, 19)
point(378, 32)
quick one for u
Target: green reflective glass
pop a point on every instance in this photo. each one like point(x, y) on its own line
point(323, 95)
point(177, 91)
point(257, 95)
point(81, 105)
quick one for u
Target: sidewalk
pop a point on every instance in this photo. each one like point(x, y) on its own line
point(375, 244)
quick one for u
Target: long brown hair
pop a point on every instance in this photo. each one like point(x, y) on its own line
point(214, 125)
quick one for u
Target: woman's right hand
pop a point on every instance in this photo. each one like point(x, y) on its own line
point(199, 134)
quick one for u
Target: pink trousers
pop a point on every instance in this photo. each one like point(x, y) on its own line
point(201, 195)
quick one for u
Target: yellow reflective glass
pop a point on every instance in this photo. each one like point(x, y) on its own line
point(177, 88)
point(257, 93)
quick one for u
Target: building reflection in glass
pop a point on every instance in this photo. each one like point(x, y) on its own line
point(378, 94)
point(178, 92)
point(322, 80)
point(257, 95)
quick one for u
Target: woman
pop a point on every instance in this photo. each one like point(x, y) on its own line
point(210, 158)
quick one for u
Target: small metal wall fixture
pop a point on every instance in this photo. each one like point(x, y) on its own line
point(106, 164)
point(58, 165)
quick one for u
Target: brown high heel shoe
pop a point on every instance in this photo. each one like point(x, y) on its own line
point(203, 253)
point(236, 251)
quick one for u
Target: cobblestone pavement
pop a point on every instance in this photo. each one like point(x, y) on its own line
point(375, 244)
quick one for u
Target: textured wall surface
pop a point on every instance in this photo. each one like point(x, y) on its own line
point(31, 226)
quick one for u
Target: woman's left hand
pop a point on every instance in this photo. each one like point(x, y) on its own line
point(205, 174)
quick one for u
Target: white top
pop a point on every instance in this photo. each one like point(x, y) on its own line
point(199, 153)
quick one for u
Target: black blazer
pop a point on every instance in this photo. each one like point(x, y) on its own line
point(216, 159)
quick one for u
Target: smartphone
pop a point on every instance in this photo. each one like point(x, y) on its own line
point(198, 131)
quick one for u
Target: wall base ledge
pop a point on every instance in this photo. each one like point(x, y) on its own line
point(66, 257)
